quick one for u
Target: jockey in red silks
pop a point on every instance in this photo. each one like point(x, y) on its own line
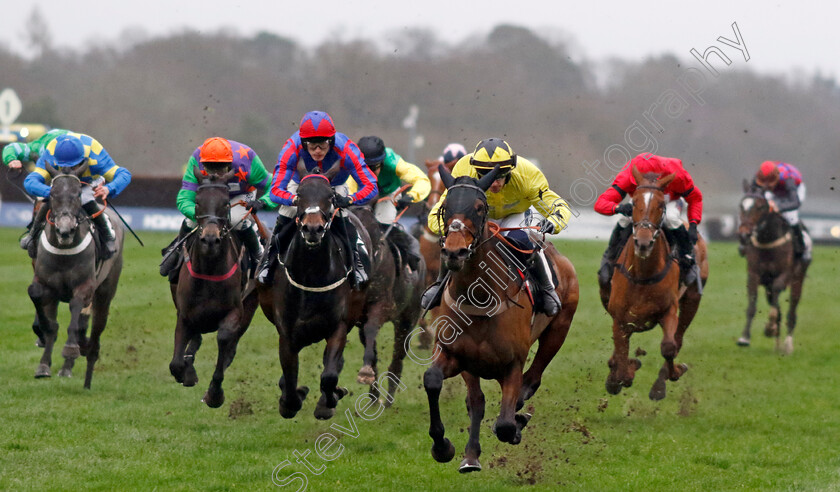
point(318, 146)
point(784, 189)
point(682, 186)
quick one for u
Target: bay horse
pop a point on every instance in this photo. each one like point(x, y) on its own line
point(309, 298)
point(766, 238)
point(210, 294)
point(67, 269)
point(646, 290)
point(393, 295)
point(487, 325)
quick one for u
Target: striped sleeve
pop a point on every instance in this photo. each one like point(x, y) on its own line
point(284, 171)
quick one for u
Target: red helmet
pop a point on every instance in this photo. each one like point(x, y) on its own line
point(216, 149)
point(316, 125)
point(767, 175)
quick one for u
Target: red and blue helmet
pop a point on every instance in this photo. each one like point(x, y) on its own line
point(316, 126)
point(68, 151)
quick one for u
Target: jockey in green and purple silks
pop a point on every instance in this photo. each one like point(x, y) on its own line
point(250, 182)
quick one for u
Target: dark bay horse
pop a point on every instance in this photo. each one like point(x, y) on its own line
point(646, 290)
point(768, 248)
point(393, 295)
point(210, 294)
point(487, 325)
point(67, 270)
point(309, 299)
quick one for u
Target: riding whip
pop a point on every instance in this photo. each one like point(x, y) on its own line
point(126, 224)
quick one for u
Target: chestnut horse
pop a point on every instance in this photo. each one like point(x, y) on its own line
point(768, 247)
point(646, 290)
point(488, 331)
point(210, 294)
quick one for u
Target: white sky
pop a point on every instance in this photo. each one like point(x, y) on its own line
point(782, 37)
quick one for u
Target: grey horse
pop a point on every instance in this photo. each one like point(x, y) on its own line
point(67, 270)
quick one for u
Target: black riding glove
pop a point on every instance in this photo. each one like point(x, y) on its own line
point(625, 209)
point(546, 226)
point(404, 201)
point(255, 205)
point(342, 201)
point(692, 233)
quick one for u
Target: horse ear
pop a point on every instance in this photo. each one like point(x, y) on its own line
point(224, 178)
point(485, 182)
point(81, 169)
point(746, 185)
point(637, 175)
point(301, 169)
point(446, 176)
point(53, 171)
point(198, 176)
point(664, 181)
point(333, 171)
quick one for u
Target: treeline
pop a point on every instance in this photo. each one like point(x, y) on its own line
point(152, 103)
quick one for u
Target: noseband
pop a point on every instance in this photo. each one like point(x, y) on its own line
point(457, 225)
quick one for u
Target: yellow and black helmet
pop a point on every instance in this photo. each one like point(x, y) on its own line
point(491, 152)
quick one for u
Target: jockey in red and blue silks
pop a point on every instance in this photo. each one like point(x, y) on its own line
point(784, 189)
point(318, 146)
point(682, 186)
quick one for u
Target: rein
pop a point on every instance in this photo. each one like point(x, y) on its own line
point(645, 223)
point(649, 280)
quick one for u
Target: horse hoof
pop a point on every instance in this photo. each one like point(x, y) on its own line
point(39, 343)
point(468, 465)
point(657, 392)
point(324, 413)
point(613, 387)
point(366, 375)
point(637, 363)
point(446, 454)
point(506, 432)
point(341, 392)
point(788, 347)
point(288, 412)
point(190, 377)
point(71, 351)
point(743, 342)
point(65, 373)
point(43, 371)
point(213, 401)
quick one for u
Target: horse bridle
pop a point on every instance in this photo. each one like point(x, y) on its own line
point(222, 222)
point(645, 223)
point(756, 226)
point(458, 226)
point(328, 216)
point(79, 216)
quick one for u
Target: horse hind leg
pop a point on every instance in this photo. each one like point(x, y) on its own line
point(550, 341)
point(367, 335)
point(795, 296)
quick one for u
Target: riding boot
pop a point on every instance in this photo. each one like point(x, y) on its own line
point(688, 266)
point(103, 227)
point(800, 250)
point(251, 239)
point(617, 239)
point(171, 254)
point(28, 242)
point(539, 268)
point(359, 258)
point(277, 243)
point(433, 293)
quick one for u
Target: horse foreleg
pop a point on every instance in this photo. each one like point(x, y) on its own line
point(333, 363)
point(551, 339)
point(508, 426)
point(80, 300)
point(752, 297)
point(291, 396)
point(177, 364)
point(193, 344)
point(368, 333)
point(99, 321)
point(669, 349)
point(46, 310)
point(774, 290)
point(36, 328)
point(622, 369)
point(226, 338)
point(443, 367)
point(475, 410)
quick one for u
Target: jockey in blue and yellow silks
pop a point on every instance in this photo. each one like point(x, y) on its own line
point(318, 146)
point(104, 177)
